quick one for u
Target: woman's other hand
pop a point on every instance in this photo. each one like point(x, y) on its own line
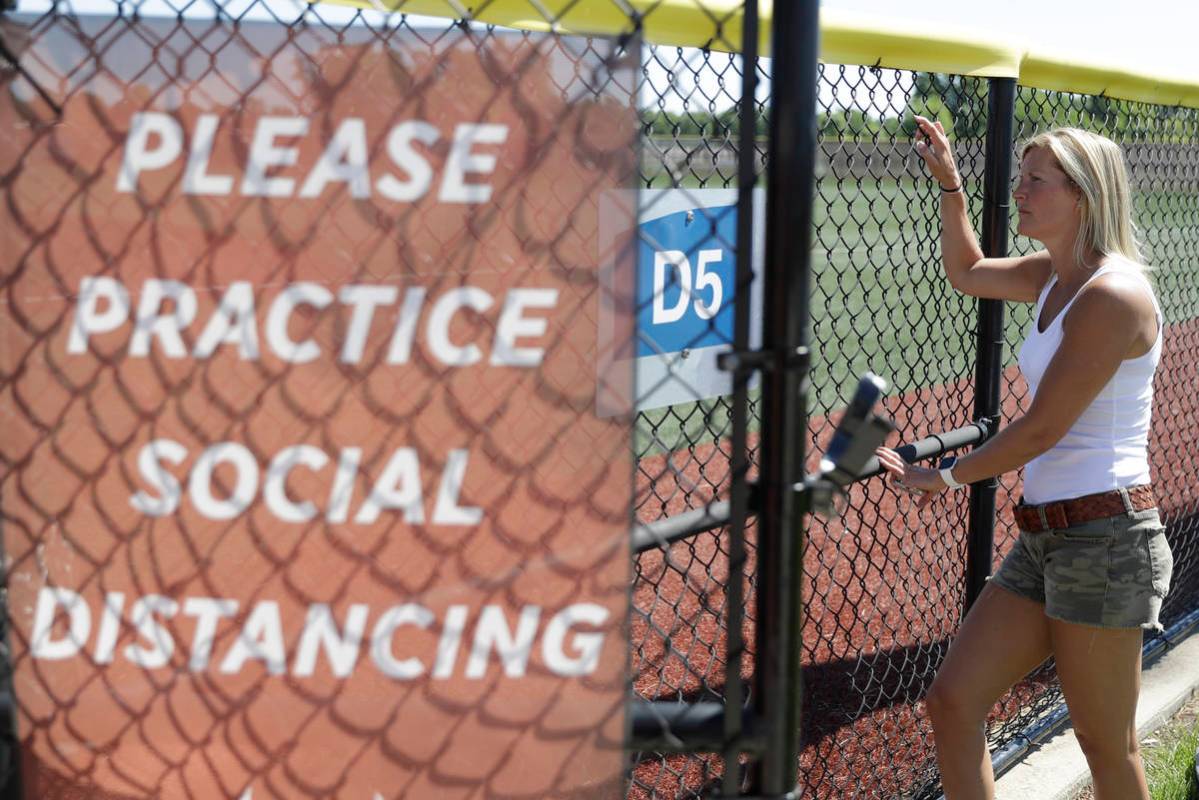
point(920, 481)
point(933, 146)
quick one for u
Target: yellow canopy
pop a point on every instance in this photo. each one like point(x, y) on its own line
point(846, 38)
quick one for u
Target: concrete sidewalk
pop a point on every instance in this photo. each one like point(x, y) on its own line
point(1056, 769)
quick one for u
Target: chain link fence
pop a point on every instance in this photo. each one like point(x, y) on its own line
point(883, 587)
point(307, 490)
point(690, 157)
point(242, 60)
point(1162, 148)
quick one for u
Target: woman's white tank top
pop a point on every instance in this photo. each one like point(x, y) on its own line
point(1107, 447)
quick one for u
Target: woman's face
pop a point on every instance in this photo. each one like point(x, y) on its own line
point(1048, 203)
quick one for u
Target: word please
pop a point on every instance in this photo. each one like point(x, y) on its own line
point(166, 308)
point(63, 629)
point(155, 141)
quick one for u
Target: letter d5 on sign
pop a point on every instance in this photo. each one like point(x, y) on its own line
point(305, 495)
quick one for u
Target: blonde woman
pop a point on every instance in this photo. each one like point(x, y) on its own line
point(1091, 566)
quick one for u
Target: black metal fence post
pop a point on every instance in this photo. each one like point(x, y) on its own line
point(747, 177)
point(789, 195)
point(988, 371)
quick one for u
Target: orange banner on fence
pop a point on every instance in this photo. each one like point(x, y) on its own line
point(304, 491)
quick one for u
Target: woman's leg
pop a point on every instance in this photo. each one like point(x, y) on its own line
point(1001, 640)
point(1100, 671)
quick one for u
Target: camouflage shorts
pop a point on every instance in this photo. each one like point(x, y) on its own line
point(1111, 572)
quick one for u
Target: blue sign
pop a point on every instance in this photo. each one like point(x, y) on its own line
point(685, 285)
point(686, 277)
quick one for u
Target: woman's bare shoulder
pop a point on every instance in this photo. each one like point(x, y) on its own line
point(1122, 292)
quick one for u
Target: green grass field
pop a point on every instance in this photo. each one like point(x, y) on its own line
point(1169, 755)
point(880, 301)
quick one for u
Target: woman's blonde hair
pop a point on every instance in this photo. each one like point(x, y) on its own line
point(1095, 165)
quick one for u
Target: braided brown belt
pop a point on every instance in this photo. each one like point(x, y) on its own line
point(1066, 513)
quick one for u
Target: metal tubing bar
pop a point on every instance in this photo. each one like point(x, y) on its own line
point(937, 443)
point(650, 535)
point(1007, 757)
point(734, 689)
point(933, 445)
point(667, 727)
point(1170, 637)
point(789, 193)
point(997, 171)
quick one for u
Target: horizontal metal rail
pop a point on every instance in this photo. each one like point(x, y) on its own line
point(651, 535)
point(932, 446)
point(660, 726)
point(1007, 757)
